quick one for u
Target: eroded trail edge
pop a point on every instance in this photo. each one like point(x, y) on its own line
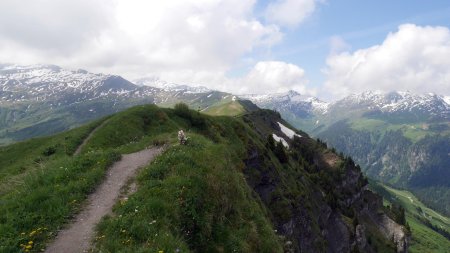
point(78, 236)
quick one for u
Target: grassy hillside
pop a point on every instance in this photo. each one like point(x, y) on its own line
point(412, 131)
point(190, 203)
point(42, 186)
point(231, 108)
point(20, 159)
point(430, 230)
point(197, 200)
point(49, 185)
point(231, 188)
point(24, 121)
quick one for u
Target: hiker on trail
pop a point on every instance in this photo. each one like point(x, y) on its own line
point(181, 137)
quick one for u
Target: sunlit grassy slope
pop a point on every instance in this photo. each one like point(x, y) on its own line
point(197, 204)
point(42, 185)
point(412, 131)
point(192, 197)
point(231, 108)
point(196, 197)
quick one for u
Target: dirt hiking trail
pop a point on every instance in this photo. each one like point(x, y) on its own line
point(77, 236)
point(81, 146)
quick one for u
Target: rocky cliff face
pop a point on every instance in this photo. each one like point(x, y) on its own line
point(318, 200)
point(371, 211)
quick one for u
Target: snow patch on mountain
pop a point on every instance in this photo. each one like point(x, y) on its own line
point(288, 101)
point(287, 131)
point(27, 75)
point(166, 86)
point(51, 83)
point(397, 102)
point(278, 139)
point(447, 99)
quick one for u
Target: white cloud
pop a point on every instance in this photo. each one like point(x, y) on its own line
point(338, 45)
point(52, 26)
point(270, 77)
point(133, 37)
point(414, 58)
point(289, 12)
point(263, 78)
point(182, 41)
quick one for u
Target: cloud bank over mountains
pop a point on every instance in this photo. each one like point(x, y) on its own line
point(200, 42)
point(414, 58)
point(185, 41)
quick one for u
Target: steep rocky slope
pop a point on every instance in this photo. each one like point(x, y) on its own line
point(318, 199)
point(400, 138)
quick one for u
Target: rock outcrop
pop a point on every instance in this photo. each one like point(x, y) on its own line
point(318, 206)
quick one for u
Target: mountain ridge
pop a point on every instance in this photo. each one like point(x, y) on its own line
point(250, 195)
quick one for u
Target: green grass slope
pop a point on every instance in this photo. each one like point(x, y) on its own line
point(413, 131)
point(24, 121)
point(190, 203)
point(42, 186)
point(218, 211)
point(201, 197)
point(232, 108)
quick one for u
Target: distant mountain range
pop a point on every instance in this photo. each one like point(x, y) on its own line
point(400, 138)
point(163, 85)
point(312, 114)
point(43, 99)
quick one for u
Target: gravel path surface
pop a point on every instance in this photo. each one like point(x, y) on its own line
point(78, 235)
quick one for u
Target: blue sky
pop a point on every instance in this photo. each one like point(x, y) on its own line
point(361, 24)
point(323, 48)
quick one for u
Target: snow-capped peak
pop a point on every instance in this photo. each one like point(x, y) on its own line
point(279, 101)
point(158, 83)
point(30, 74)
point(20, 83)
point(392, 98)
point(397, 101)
point(289, 95)
point(446, 99)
